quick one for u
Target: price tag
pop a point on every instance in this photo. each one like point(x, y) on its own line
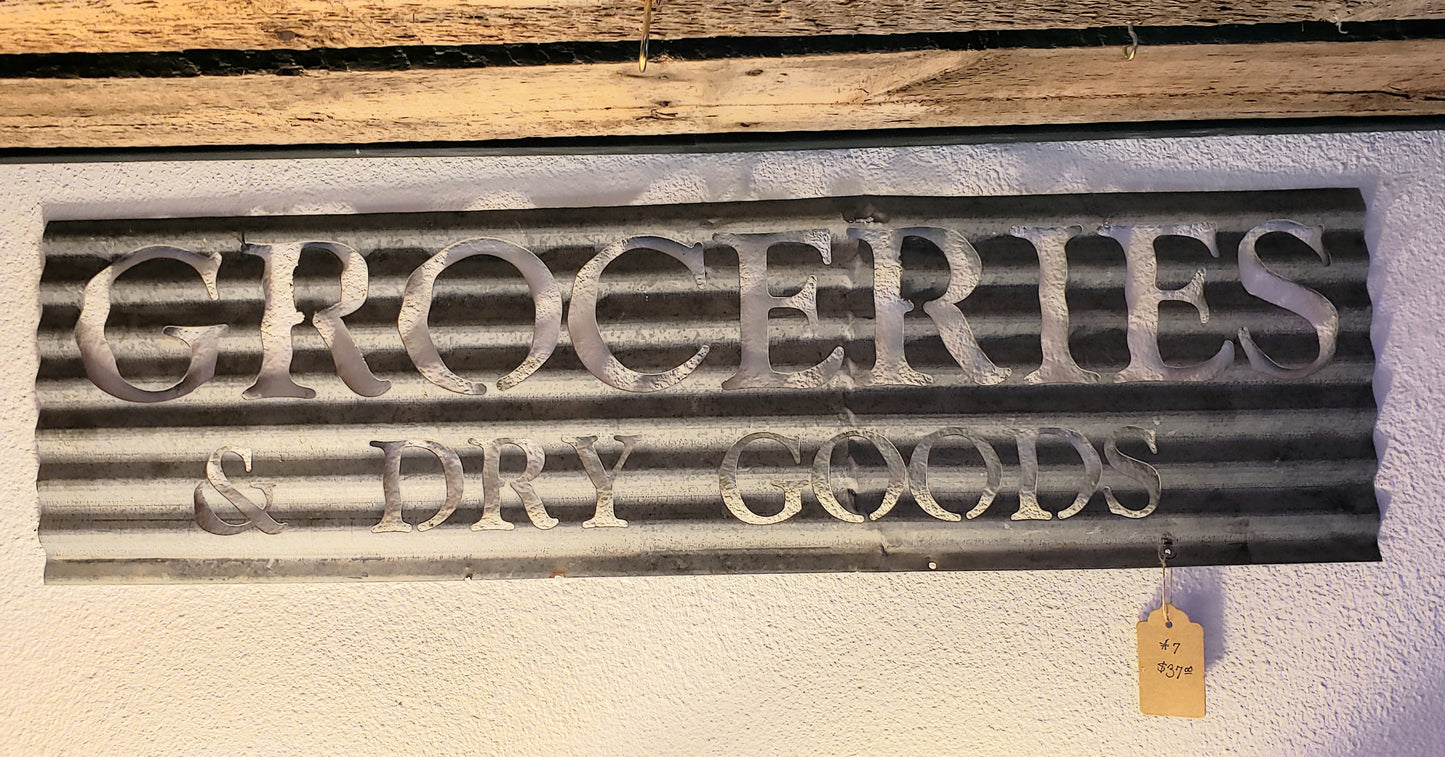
point(1171, 665)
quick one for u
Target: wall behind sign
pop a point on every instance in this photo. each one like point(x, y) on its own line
point(1317, 659)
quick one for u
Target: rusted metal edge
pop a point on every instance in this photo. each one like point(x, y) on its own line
point(669, 550)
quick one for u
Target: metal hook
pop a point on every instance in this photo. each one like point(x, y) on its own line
point(646, 33)
point(1133, 46)
point(1166, 553)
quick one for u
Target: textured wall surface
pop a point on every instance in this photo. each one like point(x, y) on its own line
point(1303, 659)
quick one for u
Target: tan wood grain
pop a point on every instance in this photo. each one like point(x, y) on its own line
point(806, 93)
point(45, 26)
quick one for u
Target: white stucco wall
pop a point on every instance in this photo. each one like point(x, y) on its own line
point(1303, 659)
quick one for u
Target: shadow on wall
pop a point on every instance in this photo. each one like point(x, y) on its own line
point(1404, 722)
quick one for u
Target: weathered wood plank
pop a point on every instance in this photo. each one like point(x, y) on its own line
point(45, 26)
point(806, 93)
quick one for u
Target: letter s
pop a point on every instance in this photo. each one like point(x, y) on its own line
point(1265, 284)
point(1135, 470)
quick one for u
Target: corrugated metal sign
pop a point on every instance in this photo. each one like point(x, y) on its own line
point(881, 383)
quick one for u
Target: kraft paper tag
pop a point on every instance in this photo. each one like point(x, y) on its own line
point(1171, 665)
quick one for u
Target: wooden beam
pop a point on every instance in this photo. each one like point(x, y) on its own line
point(807, 93)
point(55, 26)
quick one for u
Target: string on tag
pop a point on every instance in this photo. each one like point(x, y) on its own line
point(1166, 552)
point(1133, 46)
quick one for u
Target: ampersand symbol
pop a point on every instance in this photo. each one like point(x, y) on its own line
point(256, 515)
